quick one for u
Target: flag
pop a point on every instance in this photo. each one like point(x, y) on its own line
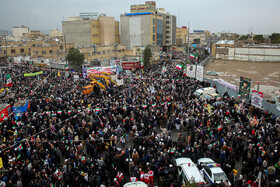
point(59, 112)
point(144, 106)
point(58, 73)
point(219, 128)
point(179, 66)
point(9, 81)
point(153, 105)
point(192, 56)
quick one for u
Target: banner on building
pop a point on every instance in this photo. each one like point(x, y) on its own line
point(33, 74)
point(257, 98)
point(191, 71)
point(244, 87)
point(199, 73)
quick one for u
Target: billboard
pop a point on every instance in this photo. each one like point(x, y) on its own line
point(89, 15)
point(244, 87)
point(99, 70)
point(142, 8)
point(199, 73)
point(131, 65)
point(191, 71)
point(257, 98)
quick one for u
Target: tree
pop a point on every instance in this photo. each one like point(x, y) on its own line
point(147, 53)
point(244, 37)
point(259, 38)
point(75, 58)
point(275, 38)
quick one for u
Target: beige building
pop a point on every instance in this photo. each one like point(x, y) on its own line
point(221, 47)
point(103, 52)
point(88, 32)
point(19, 31)
point(181, 36)
point(55, 33)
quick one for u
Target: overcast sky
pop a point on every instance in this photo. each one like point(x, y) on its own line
point(240, 16)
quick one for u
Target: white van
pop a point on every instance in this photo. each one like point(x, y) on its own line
point(204, 91)
point(135, 184)
point(189, 172)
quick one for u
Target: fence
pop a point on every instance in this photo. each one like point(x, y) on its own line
point(221, 89)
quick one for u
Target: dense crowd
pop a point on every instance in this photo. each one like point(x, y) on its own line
point(130, 132)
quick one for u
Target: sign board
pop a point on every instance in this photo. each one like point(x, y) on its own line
point(142, 8)
point(89, 15)
point(199, 73)
point(191, 71)
point(76, 77)
point(130, 65)
point(119, 82)
point(257, 98)
point(244, 87)
point(99, 70)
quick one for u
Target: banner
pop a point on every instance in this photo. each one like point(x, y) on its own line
point(76, 77)
point(33, 74)
point(199, 73)
point(257, 98)
point(191, 71)
point(21, 106)
point(5, 111)
point(119, 82)
point(244, 87)
point(99, 70)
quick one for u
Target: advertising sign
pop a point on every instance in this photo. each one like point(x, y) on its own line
point(142, 8)
point(257, 98)
point(99, 70)
point(199, 73)
point(191, 71)
point(89, 15)
point(131, 65)
point(244, 87)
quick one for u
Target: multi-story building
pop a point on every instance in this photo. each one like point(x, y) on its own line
point(85, 32)
point(181, 36)
point(19, 31)
point(146, 25)
point(201, 35)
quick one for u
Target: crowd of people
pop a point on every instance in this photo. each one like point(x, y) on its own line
point(130, 132)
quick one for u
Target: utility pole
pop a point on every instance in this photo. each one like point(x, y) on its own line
point(5, 33)
point(188, 57)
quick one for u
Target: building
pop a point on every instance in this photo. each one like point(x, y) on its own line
point(221, 47)
point(146, 25)
point(19, 31)
point(103, 53)
point(85, 32)
point(55, 33)
point(181, 36)
point(199, 36)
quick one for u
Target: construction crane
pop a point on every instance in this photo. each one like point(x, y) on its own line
point(107, 78)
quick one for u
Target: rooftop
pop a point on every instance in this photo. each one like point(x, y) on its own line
point(225, 42)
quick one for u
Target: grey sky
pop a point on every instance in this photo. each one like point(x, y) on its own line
point(214, 15)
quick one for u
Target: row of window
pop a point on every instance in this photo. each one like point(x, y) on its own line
point(104, 52)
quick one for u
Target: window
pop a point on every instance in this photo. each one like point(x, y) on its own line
point(4, 51)
point(167, 32)
point(154, 29)
point(95, 26)
point(36, 52)
point(13, 51)
point(154, 37)
point(108, 51)
point(95, 35)
point(61, 47)
point(99, 52)
point(93, 53)
point(21, 50)
point(154, 21)
point(167, 22)
point(43, 52)
point(167, 27)
point(103, 52)
point(122, 50)
point(51, 51)
point(167, 17)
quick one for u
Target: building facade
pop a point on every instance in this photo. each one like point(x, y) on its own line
point(181, 36)
point(19, 31)
point(89, 32)
point(146, 25)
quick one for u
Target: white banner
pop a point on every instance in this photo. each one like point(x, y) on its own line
point(76, 77)
point(119, 82)
point(257, 98)
point(191, 71)
point(199, 73)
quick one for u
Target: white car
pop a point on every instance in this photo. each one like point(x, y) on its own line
point(204, 161)
point(213, 173)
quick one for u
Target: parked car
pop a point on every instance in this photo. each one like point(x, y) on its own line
point(211, 72)
point(213, 173)
point(204, 161)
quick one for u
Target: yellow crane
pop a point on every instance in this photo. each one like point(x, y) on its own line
point(107, 78)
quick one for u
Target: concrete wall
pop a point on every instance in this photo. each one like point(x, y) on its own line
point(77, 32)
point(107, 30)
point(146, 24)
point(253, 54)
point(125, 40)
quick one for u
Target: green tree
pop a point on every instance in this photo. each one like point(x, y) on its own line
point(75, 58)
point(275, 38)
point(147, 53)
point(259, 38)
point(244, 37)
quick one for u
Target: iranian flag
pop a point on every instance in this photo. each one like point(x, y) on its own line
point(192, 55)
point(179, 66)
point(9, 81)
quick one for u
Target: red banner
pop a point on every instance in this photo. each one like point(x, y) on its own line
point(5, 112)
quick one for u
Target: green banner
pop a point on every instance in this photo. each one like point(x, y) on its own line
point(33, 74)
point(244, 87)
